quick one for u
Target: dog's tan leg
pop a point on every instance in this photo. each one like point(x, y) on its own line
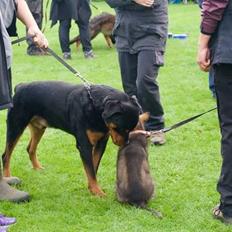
point(98, 140)
point(36, 135)
point(93, 186)
point(78, 42)
point(108, 41)
point(98, 151)
point(7, 156)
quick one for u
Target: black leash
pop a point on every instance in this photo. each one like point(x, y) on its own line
point(62, 61)
point(182, 122)
point(69, 67)
point(19, 40)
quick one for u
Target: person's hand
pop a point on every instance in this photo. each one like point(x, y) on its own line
point(38, 37)
point(203, 58)
point(146, 3)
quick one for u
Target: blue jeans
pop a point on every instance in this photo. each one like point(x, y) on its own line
point(211, 82)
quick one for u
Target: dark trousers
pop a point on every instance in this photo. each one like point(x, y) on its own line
point(64, 30)
point(36, 8)
point(223, 85)
point(139, 77)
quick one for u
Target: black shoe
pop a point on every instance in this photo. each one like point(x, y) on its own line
point(89, 54)
point(67, 56)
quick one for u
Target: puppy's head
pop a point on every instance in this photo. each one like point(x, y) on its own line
point(120, 117)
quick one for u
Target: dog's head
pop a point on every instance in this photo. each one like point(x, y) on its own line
point(120, 117)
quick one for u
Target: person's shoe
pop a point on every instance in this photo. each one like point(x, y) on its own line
point(36, 52)
point(67, 56)
point(13, 180)
point(89, 54)
point(5, 221)
point(3, 228)
point(217, 214)
point(158, 138)
point(7, 193)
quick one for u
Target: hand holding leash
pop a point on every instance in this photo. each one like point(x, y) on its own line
point(38, 37)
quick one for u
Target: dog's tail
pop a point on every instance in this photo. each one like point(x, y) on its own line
point(75, 39)
point(154, 212)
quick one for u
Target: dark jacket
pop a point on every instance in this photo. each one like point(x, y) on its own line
point(5, 82)
point(221, 43)
point(138, 27)
point(79, 10)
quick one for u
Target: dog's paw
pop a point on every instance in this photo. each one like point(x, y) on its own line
point(96, 190)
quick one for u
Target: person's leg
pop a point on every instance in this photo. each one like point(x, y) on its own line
point(148, 89)
point(223, 85)
point(64, 29)
point(85, 38)
point(128, 67)
point(36, 8)
point(148, 94)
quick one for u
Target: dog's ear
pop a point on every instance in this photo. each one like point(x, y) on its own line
point(144, 117)
point(111, 107)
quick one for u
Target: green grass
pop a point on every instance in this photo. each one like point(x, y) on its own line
point(185, 170)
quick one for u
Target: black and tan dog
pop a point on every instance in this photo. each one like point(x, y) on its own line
point(102, 23)
point(134, 182)
point(90, 115)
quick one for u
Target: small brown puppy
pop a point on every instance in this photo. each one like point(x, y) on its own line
point(134, 182)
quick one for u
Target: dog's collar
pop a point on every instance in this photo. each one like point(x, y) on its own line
point(143, 132)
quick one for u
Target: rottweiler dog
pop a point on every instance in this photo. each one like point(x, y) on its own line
point(102, 23)
point(90, 113)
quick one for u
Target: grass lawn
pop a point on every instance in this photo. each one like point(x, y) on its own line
point(185, 169)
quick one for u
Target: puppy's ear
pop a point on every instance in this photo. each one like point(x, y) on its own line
point(144, 117)
point(111, 107)
point(135, 102)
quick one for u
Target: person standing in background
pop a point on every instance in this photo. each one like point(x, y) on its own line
point(65, 11)
point(140, 32)
point(215, 52)
point(36, 8)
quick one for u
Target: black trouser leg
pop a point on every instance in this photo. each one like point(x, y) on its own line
point(148, 89)
point(84, 35)
point(223, 85)
point(128, 67)
point(64, 29)
point(36, 8)
point(139, 73)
